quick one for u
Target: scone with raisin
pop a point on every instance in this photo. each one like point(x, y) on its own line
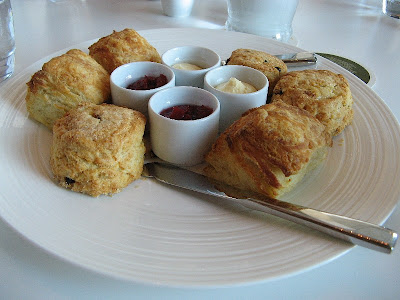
point(98, 149)
point(271, 66)
point(323, 93)
point(122, 47)
point(268, 150)
point(63, 83)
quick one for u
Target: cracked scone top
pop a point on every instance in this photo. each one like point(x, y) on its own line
point(98, 149)
point(122, 47)
point(268, 150)
point(63, 83)
point(324, 94)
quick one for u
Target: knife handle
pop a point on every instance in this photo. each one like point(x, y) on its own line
point(358, 232)
point(294, 59)
point(298, 59)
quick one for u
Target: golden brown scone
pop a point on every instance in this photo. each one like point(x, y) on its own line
point(122, 47)
point(326, 95)
point(63, 83)
point(98, 149)
point(268, 150)
point(271, 66)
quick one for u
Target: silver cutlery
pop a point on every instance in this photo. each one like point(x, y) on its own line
point(357, 232)
point(298, 59)
point(295, 59)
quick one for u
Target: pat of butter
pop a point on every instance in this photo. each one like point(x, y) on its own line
point(186, 66)
point(236, 86)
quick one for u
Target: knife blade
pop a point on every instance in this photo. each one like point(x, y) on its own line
point(295, 59)
point(357, 232)
point(298, 59)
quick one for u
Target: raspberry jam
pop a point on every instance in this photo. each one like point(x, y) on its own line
point(148, 82)
point(187, 112)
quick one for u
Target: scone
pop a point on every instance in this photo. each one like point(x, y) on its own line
point(268, 150)
point(63, 83)
point(271, 66)
point(98, 149)
point(122, 47)
point(324, 94)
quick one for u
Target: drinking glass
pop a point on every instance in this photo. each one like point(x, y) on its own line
point(7, 42)
point(269, 18)
point(177, 8)
point(391, 8)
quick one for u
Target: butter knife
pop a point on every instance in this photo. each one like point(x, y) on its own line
point(354, 231)
point(294, 59)
point(298, 59)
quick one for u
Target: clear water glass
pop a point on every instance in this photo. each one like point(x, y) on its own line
point(268, 18)
point(391, 8)
point(7, 41)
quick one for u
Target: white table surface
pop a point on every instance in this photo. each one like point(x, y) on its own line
point(353, 29)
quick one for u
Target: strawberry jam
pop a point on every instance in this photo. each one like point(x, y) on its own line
point(148, 82)
point(187, 112)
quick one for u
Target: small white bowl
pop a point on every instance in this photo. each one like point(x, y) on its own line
point(129, 73)
point(202, 57)
point(234, 105)
point(182, 142)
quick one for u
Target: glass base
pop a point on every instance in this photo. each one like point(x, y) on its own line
point(391, 8)
point(6, 67)
point(287, 38)
point(393, 15)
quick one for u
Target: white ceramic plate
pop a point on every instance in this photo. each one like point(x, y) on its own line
point(156, 234)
